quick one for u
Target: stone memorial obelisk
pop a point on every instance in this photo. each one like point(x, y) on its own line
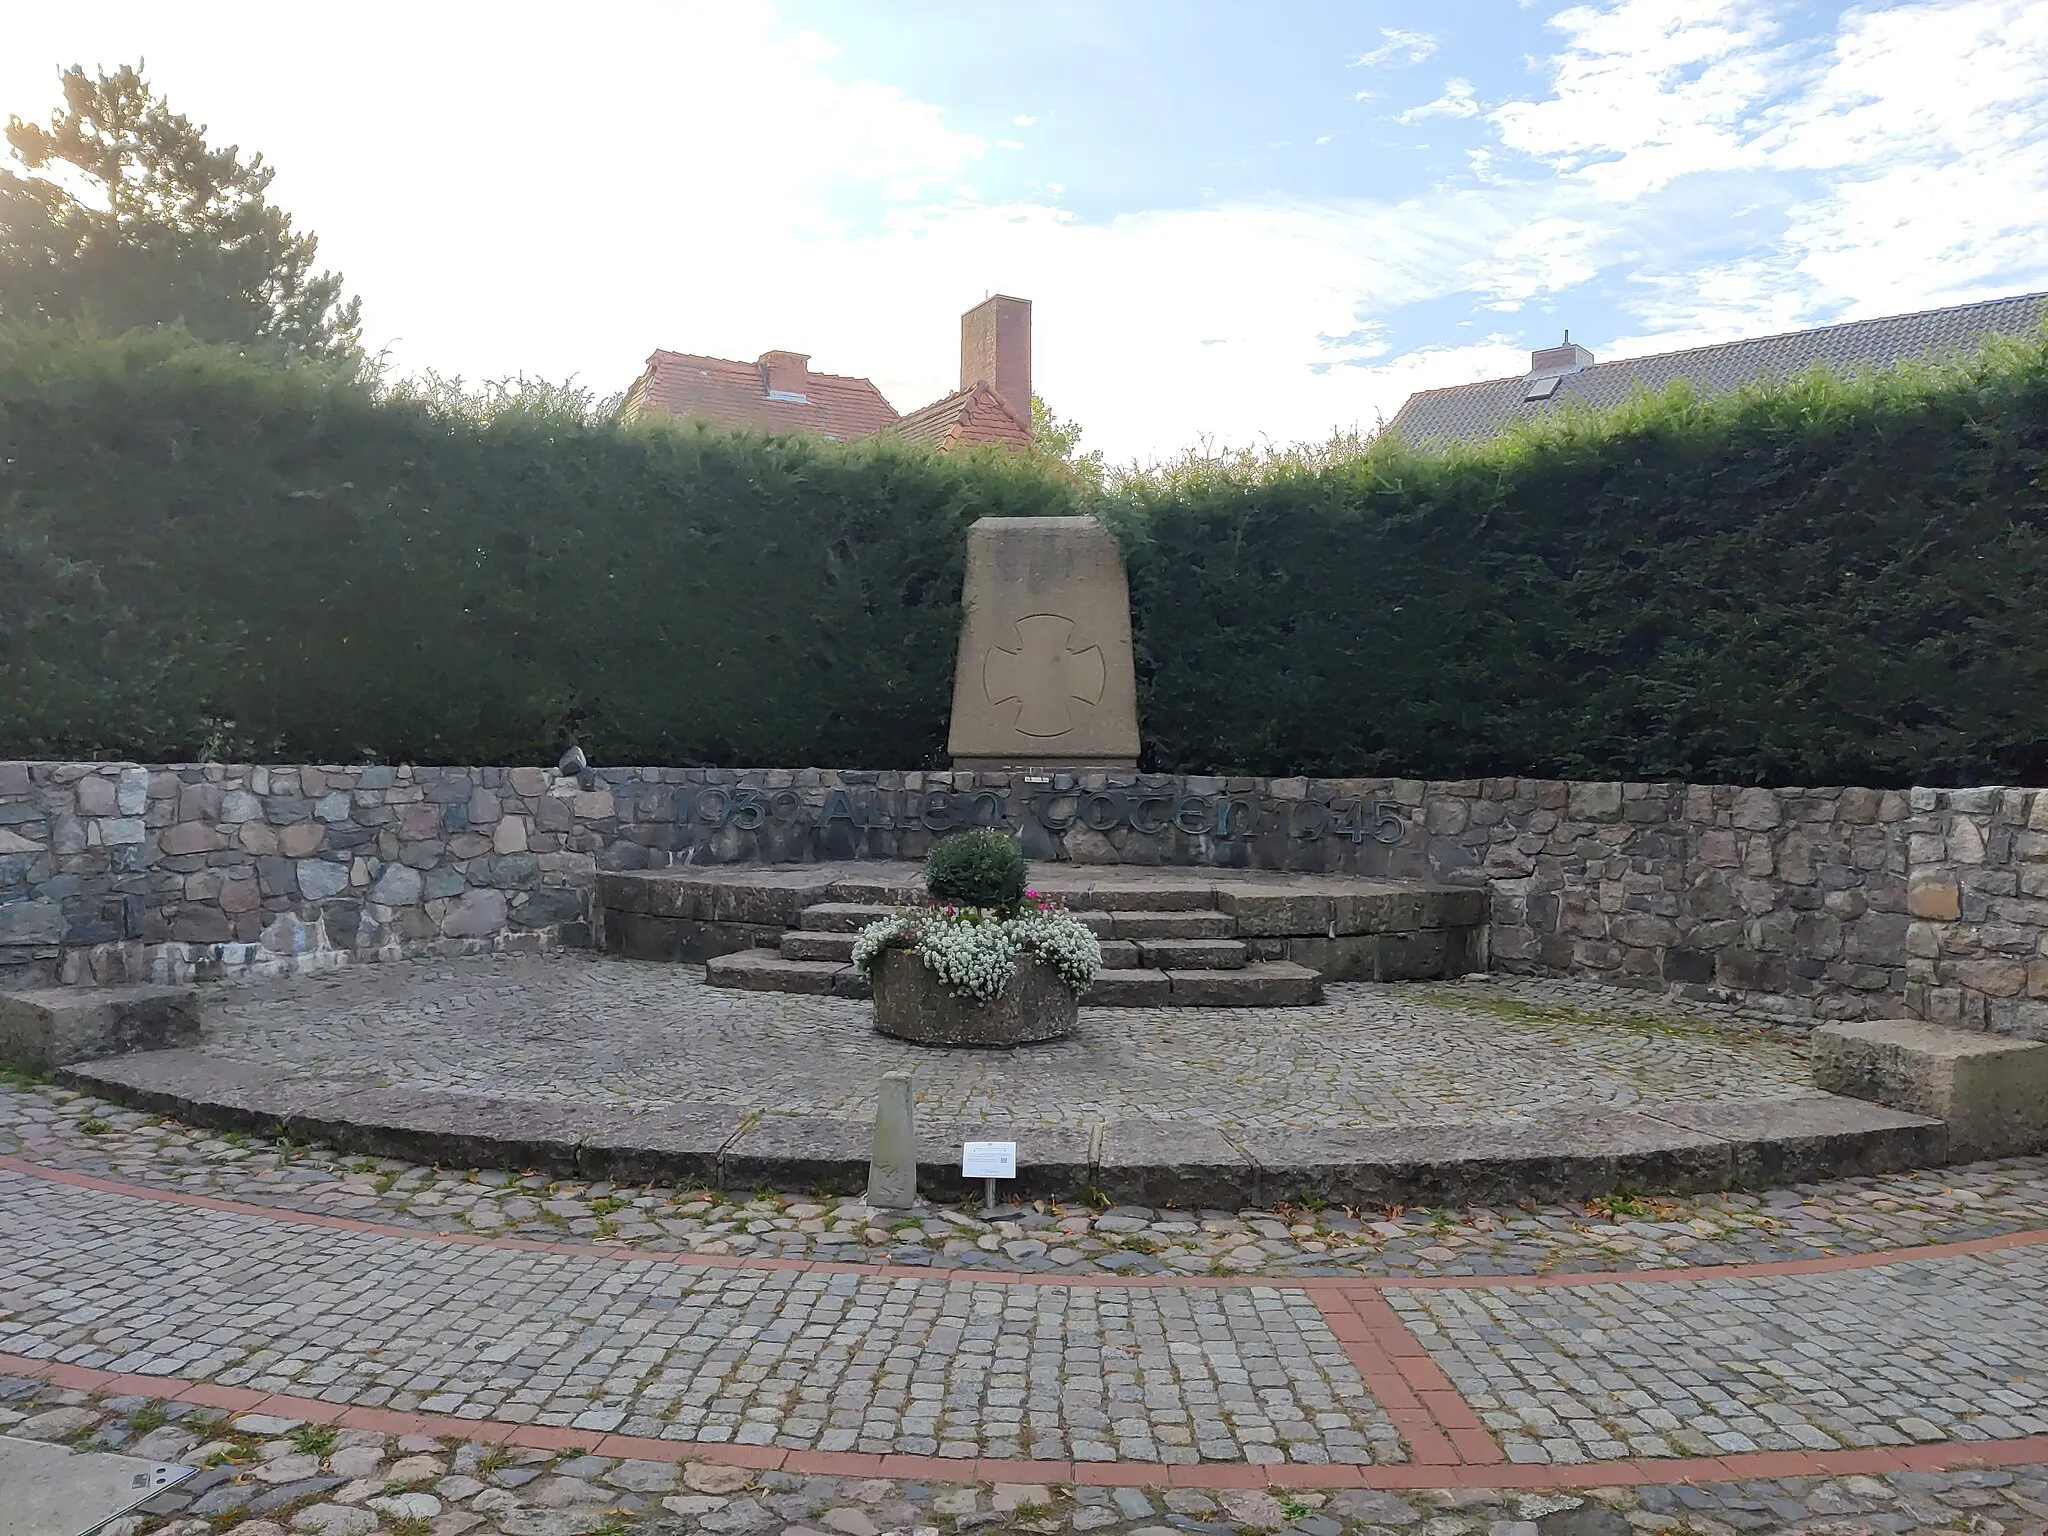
point(1045, 677)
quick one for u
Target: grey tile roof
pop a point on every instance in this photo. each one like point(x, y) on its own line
point(1475, 412)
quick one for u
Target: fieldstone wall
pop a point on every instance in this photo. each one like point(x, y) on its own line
point(1806, 903)
point(116, 872)
point(1803, 903)
point(1977, 949)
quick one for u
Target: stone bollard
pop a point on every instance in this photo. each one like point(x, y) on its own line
point(892, 1171)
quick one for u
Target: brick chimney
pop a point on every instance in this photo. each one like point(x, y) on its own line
point(783, 373)
point(1568, 357)
point(995, 349)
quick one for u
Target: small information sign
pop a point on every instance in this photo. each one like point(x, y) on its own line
point(988, 1160)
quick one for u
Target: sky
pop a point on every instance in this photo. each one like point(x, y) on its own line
point(1239, 224)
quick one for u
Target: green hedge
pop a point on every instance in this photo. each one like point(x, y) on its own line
point(1829, 582)
point(208, 555)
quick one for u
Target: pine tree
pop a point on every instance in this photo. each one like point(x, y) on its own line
point(162, 230)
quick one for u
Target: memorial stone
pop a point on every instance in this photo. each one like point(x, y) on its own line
point(1045, 676)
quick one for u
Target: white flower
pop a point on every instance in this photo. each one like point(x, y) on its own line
point(974, 952)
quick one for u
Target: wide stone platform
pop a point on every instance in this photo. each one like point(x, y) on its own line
point(1198, 938)
point(1446, 1094)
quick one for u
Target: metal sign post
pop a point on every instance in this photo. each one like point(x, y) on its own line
point(989, 1161)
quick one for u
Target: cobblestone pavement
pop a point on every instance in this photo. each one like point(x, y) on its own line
point(266, 1475)
point(1943, 1348)
point(1937, 1349)
point(575, 1028)
point(717, 1359)
point(59, 1128)
point(833, 1362)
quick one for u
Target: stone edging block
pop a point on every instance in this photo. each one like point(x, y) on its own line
point(1991, 1090)
point(56, 1026)
point(1678, 1148)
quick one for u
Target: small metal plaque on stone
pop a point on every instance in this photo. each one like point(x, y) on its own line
point(988, 1160)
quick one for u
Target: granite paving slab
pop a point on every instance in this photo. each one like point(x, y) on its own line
point(55, 1491)
point(574, 1029)
point(1442, 1095)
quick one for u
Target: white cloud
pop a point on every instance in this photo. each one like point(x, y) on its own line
point(1899, 163)
point(515, 246)
point(1645, 92)
point(1543, 257)
point(1929, 128)
point(1024, 120)
point(1456, 101)
point(1009, 144)
point(1399, 49)
point(1439, 367)
point(1754, 296)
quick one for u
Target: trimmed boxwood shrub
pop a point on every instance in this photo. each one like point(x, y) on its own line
point(977, 868)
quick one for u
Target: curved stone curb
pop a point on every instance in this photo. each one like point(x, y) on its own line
point(1353, 1287)
point(1681, 1148)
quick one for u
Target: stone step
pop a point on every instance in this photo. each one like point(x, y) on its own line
point(804, 944)
point(899, 890)
point(763, 970)
point(1267, 984)
point(1159, 892)
point(47, 1027)
point(1129, 987)
point(841, 916)
point(1169, 925)
point(1193, 954)
point(1117, 954)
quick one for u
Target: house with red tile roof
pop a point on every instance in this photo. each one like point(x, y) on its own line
point(775, 393)
point(778, 392)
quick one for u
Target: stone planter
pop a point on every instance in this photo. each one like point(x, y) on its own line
point(913, 1004)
